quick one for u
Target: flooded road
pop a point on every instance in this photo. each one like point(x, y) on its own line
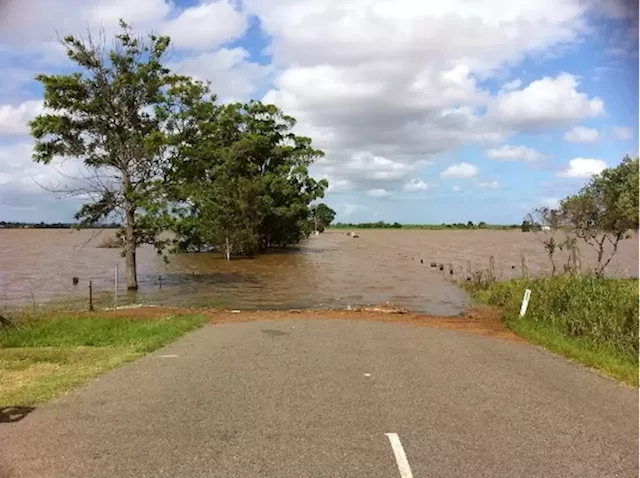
point(331, 270)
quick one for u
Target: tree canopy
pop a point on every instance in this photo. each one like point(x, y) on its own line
point(163, 155)
point(601, 214)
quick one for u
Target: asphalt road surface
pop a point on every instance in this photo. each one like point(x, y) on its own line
point(333, 398)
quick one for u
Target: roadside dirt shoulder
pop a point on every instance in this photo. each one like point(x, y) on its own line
point(478, 320)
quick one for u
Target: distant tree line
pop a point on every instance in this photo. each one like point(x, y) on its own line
point(50, 225)
point(367, 225)
point(397, 225)
point(163, 155)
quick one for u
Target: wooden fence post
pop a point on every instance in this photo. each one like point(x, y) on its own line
point(468, 270)
point(492, 268)
point(90, 296)
point(575, 259)
point(525, 264)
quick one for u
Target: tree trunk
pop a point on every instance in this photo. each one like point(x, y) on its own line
point(130, 244)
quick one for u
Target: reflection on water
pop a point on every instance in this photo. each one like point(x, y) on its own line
point(329, 270)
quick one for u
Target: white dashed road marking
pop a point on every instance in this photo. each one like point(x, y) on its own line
point(401, 458)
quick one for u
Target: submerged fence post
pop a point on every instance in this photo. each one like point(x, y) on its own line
point(525, 264)
point(160, 282)
point(575, 259)
point(468, 270)
point(90, 296)
point(492, 268)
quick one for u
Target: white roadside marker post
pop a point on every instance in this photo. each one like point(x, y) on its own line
point(525, 302)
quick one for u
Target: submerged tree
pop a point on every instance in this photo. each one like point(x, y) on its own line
point(245, 181)
point(105, 115)
point(322, 215)
point(550, 221)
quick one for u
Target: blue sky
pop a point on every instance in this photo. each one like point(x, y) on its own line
point(514, 111)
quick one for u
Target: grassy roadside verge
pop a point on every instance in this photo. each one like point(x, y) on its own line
point(44, 357)
point(592, 321)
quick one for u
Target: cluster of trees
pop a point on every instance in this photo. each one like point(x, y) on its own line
point(49, 225)
point(368, 225)
point(397, 225)
point(163, 155)
point(601, 214)
point(480, 225)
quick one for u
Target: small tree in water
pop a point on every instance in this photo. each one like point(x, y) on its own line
point(548, 220)
point(105, 115)
point(601, 214)
point(604, 211)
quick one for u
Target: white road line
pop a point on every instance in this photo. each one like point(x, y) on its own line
point(401, 458)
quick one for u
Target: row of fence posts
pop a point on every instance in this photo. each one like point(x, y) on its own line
point(115, 289)
point(492, 267)
point(575, 265)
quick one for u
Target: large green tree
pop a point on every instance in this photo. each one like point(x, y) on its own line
point(245, 183)
point(108, 114)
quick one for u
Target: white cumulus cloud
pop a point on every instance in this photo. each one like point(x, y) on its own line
point(15, 119)
point(379, 193)
point(232, 75)
point(382, 86)
point(583, 168)
point(388, 78)
point(581, 134)
point(623, 133)
point(514, 153)
point(512, 85)
point(416, 185)
point(549, 101)
point(462, 170)
point(205, 26)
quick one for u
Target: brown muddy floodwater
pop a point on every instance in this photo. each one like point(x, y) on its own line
point(331, 270)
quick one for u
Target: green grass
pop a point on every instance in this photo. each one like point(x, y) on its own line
point(593, 321)
point(41, 358)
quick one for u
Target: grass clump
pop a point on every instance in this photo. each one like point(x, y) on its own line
point(592, 320)
point(43, 357)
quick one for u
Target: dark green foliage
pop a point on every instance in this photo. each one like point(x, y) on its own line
point(164, 156)
point(322, 216)
point(244, 183)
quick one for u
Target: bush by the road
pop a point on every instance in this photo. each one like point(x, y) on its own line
point(593, 320)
